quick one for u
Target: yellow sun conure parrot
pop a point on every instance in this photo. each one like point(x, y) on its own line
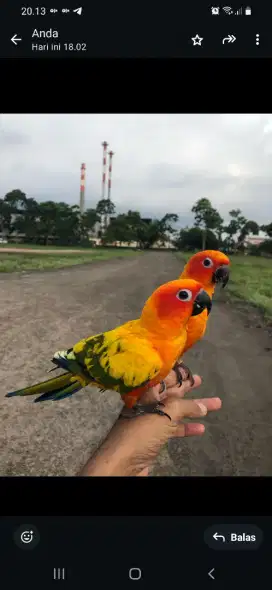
point(209, 267)
point(134, 356)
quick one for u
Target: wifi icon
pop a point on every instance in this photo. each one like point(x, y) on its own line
point(227, 10)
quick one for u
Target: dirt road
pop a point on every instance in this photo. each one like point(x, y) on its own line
point(41, 313)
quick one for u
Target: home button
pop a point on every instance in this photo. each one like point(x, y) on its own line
point(135, 573)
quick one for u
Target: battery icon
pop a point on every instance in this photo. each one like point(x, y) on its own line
point(248, 10)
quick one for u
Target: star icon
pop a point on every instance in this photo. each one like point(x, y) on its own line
point(197, 40)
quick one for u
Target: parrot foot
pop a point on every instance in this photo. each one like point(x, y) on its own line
point(141, 410)
point(163, 387)
point(183, 373)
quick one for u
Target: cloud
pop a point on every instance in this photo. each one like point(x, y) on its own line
point(161, 162)
point(12, 138)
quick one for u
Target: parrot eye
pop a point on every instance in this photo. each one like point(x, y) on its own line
point(207, 262)
point(184, 295)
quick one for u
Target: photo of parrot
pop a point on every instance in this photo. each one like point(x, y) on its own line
point(132, 357)
point(209, 267)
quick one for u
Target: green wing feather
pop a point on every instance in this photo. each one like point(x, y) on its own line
point(118, 362)
point(114, 360)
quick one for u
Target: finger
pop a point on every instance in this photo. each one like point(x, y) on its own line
point(151, 395)
point(190, 429)
point(184, 408)
point(162, 396)
point(171, 379)
point(144, 472)
point(185, 388)
point(197, 382)
point(212, 403)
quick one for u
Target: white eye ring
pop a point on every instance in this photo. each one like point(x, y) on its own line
point(208, 262)
point(184, 295)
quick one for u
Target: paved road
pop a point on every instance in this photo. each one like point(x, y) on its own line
point(44, 312)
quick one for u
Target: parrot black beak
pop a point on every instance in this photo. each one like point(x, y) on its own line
point(221, 275)
point(201, 302)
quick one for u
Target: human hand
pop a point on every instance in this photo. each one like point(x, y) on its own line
point(172, 389)
point(132, 445)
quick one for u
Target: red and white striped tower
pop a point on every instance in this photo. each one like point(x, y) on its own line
point(82, 188)
point(104, 172)
point(110, 173)
point(104, 168)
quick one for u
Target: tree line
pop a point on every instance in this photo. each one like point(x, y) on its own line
point(41, 223)
point(211, 232)
point(62, 224)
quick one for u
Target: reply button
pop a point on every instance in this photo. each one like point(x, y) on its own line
point(232, 537)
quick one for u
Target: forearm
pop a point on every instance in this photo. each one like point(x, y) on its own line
point(111, 458)
point(121, 453)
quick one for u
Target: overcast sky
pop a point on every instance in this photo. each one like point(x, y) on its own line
point(161, 163)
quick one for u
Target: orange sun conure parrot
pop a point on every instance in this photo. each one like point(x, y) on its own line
point(209, 267)
point(134, 356)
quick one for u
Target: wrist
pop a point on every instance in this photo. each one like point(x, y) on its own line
point(125, 452)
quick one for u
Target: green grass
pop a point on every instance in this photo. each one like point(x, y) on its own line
point(250, 280)
point(41, 247)
point(21, 262)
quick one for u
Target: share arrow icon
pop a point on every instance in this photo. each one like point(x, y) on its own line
point(78, 10)
point(229, 39)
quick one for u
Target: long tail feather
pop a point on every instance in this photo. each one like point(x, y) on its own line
point(51, 386)
point(60, 393)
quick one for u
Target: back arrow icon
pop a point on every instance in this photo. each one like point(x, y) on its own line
point(15, 39)
point(211, 574)
point(229, 39)
point(216, 536)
